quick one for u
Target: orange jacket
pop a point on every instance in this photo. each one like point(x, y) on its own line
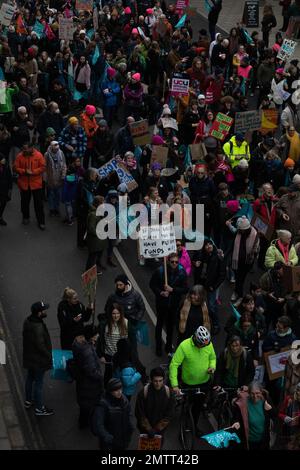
point(90, 127)
point(36, 163)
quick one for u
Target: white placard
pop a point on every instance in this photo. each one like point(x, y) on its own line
point(6, 13)
point(157, 241)
point(287, 49)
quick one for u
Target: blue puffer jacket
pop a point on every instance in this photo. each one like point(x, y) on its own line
point(110, 98)
point(129, 378)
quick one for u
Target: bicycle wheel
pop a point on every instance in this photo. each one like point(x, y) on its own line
point(187, 429)
point(224, 419)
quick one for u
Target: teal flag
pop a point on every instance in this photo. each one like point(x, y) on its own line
point(236, 314)
point(221, 439)
point(38, 28)
point(181, 22)
point(96, 55)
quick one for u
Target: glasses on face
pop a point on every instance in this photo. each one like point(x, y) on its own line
point(174, 262)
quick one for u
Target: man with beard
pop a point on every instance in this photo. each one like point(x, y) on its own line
point(37, 357)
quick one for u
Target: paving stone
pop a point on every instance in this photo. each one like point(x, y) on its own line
point(3, 430)
point(10, 415)
point(5, 444)
point(4, 385)
point(16, 437)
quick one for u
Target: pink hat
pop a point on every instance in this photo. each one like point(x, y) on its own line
point(111, 72)
point(135, 31)
point(157, 140)
point(136, 77)
point(90, 110)
point(149, 11)
point(233, 206)
point(127, 11)
point(280, 71)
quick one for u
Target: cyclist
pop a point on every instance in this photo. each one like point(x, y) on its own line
point(197, 357)
point(235, 366)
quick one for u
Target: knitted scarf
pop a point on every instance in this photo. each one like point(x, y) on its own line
point(250, 244)
point(233, 362)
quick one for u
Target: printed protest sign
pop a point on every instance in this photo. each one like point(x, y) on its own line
point(287, 49)
point(247, 121)
point(147, 443)
point(124, 176)
point(6, 13)
point(276, 362)
point(157, 241)
point(180, 84)
point(89, 283)
point(84, 5)
point(159, 154)
point(251, 14)
point(66, 29)
point(181, 4)
point(140, 132)
point(221, 126)
point(262, 226)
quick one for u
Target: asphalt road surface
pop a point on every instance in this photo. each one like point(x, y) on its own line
point(38, 265)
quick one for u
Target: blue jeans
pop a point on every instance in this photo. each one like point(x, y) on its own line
point(35, 379)
point(54, 198)
point(213, 307)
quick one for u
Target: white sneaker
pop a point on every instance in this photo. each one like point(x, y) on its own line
point(234, 297)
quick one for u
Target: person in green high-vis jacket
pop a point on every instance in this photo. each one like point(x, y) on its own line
point(7, 107)
point(197, 357)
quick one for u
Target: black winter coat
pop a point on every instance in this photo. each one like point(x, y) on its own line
point(5, 180)
point(111, 422)
point(37, 347)
point(89, 385)
point(293, 312)
point(69, 328)
point(246, 369)
point(131, 301)
point(177, 279)
point(47, 119)
point(215, 272)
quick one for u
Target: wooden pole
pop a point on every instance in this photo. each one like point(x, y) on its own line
point(165, 270)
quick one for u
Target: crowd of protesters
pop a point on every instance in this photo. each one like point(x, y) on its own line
point(66, 110)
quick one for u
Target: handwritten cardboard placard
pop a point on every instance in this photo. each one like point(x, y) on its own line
point(247, 121)
point(6, 14)
point(269, 121)
point(66, 29)
point(123, 174)
point(159, 154)
point(157, 241)
point(221, 126)
point(198, 151)
point(147, 443)
point(140, 132)
point(86, 5)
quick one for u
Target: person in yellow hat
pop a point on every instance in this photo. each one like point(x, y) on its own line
point(73, 140)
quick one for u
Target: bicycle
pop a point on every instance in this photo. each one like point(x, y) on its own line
point(224, 413)
point(187, 425)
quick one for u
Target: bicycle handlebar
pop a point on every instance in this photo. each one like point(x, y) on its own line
point(191, 391)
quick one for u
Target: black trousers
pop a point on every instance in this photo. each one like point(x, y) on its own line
point(37, 195)
point(263, 246)
point(240, 277)
point(197, 400)
point(164, 317)
point(93, 258)
point(3, 202)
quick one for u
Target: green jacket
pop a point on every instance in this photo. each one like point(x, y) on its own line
point(195, 363)
point(274, 254)
point(7, 106)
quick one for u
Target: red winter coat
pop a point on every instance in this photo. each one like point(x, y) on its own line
point(261, 208)
point(37, 164)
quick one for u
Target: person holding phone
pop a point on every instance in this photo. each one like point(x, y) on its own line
point(72, 315)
